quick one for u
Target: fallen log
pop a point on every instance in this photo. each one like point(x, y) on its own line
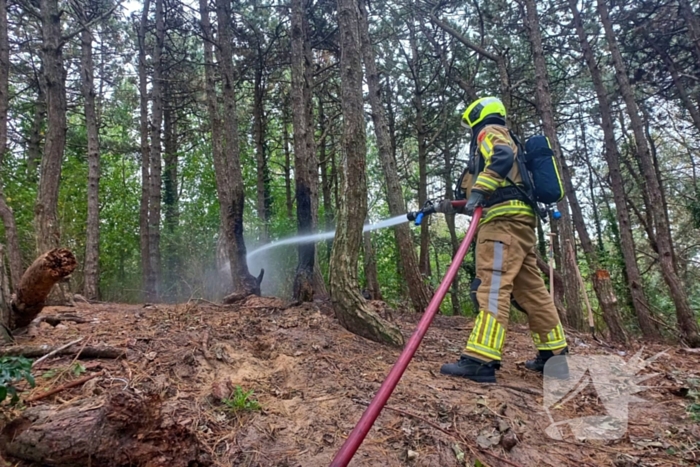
point(36, 283)
point(122, 429)
point(55, 320)
point(101, 351)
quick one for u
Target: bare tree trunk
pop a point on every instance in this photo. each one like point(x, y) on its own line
point(612, 156)
point(5, 301)
point(287, 162)
point(145, 157)
point(326, 180)
point(604, 292)
point(48, 233)
point(45, 212)
point(170, 192)
point(36, 130)
point(410, 272)
point(243, 282)
point(370, 268)
point(92, 241)
point(8, 217)
point(263, 173)
point(304, 158)
point(450, 220)
point(154, 202)
point(558, 289)
point(350, 308)
point(419, 126)
point(687, 323)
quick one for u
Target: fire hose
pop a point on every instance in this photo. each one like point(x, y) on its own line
point(358, 434)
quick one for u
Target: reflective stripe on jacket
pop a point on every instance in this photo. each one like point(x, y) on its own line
point(499, 153)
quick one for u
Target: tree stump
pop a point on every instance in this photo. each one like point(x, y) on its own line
point(36, 283)
point(5, 300)
point(123, 429)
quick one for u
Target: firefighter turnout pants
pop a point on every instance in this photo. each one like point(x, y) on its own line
point(506, 264)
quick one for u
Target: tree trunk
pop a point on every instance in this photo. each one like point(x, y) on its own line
point(36, 130)
point(605, 295)
point(612, 157)
point(36, 284)
point(687, 323)
point(558, 290)
point(419, 127)
point(8, 217)
point(305, 166)
point(145, 158)
point(92, 241)
point(370, 268)
point(54, 77)
point(98, 431)
point(410, 272)
point(170, 193)
point(326, 179)
point(350, 308)
point(263, 174)
point(287, 164)
point(153, 284)
point(5, 301)
point(243, 282)
point(450, 220)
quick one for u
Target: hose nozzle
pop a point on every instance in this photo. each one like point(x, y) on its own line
point(417, 216)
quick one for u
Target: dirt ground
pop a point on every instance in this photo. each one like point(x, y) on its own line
point(312, 380)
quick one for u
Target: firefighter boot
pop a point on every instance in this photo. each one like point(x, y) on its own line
point(558, 368)
point(473, 369)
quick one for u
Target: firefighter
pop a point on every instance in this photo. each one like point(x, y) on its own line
point(506, 264)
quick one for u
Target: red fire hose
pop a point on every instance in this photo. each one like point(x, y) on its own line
point(347, 451)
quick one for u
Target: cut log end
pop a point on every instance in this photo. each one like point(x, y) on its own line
point(37, 282)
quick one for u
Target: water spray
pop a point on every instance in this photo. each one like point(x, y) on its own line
point(313, 238)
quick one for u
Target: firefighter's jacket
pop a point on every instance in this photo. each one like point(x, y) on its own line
point(493, 159)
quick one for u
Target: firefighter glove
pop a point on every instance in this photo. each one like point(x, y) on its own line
point(475, 199)
point(445, 207)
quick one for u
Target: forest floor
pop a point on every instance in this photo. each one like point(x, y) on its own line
point(312, 380)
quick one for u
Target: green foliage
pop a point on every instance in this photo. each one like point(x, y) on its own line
point(77, 369)
point(12, 371)
point(241, 401)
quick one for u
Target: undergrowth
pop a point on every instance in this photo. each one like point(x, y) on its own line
point(12, 371)
point(241, 401)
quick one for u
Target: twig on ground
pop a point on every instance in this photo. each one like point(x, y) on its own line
point(72, 384)
point(525, 390)
point(54, 352)
point(55, 320)
point(87, 352)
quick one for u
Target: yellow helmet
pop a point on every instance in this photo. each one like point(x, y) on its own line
point(482, 108)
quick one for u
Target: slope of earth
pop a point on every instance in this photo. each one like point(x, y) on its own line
point(170, 401)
